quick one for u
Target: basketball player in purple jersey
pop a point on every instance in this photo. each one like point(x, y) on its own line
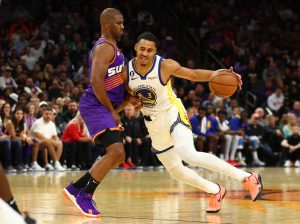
point(98, 107)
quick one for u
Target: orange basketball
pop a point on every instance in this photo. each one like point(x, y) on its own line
point(223, 83)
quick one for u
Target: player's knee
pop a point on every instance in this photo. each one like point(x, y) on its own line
point(117, 154)
point(175, 172)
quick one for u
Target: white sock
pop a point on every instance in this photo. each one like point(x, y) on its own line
point(240, 156)
point(227, 146)
point(255, 156)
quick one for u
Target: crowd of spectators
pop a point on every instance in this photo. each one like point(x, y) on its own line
point(44, 47)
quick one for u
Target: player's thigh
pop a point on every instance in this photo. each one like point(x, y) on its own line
point(170, 158)
point(159, 131)
point(182, 136)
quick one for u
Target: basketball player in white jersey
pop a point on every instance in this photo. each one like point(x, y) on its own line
point(9, 211)
point(148, 78)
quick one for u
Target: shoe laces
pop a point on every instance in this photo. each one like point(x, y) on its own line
point(248, 184)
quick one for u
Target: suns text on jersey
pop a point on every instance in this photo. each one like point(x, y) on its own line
point(115, 70)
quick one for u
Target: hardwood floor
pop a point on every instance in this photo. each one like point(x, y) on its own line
point(134, 196)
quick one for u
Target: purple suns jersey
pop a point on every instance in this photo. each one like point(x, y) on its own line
point(114, 82)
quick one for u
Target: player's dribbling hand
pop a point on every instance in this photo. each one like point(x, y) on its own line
point(238, 77)
point(135, 102)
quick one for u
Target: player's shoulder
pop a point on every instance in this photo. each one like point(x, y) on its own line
point(104, 51)
point(105, 46)
point(170, 65)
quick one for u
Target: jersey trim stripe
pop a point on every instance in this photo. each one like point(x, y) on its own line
point(106, 41)
point(155, 151)
point(127, 69)
point(159, 72)
point(101, 132)
point(143, 77)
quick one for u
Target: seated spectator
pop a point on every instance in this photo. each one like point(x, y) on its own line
point(5, 151)
point(212, 129)
point(233, 133)
point(19, 131)
point(233, 103)
point(30, 88)
point(15, 155)
point(291, 149)
point(132, 137)
point(255, 134)
point(198, 123)
point(188, 100)
point(266, 90)
point(77, 144)
point(6, 81)
point(191, 111)
point(291, 122)
point(276, 100)
point(63, 118)
point(147, 158)
point(30, 115)
point(262, 121)
point(273, 137)
point(296, 109)
point(44, 129)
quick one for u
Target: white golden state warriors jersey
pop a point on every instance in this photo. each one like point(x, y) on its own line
point(149, 88)
point(153, 93)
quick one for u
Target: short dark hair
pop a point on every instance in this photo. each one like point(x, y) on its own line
point(148, 36)
point(202, 108)
point(48, 108)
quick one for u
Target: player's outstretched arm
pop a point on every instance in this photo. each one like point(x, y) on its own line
point(171, 67)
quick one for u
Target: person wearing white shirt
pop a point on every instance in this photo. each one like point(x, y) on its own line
point(6, 80)
point(44, 129)
point(275, 100)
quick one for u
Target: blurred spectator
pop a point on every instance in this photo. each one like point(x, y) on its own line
point(30, 115)
point(291, 122)
point(262, 121)
point(291, 150)
point(273, 137)
point(233, 103)
point(275, 100)
point(255, 134)
point(296, 110)
point(28, 58)
point(55, 90)
point(132, 137)
point(200, 92)
point(147, 158)
point(77, 144)
point(30, 88)
point(6, 81)
point(233, 133)
point(212, 129)
point(188, 100)
point(19, 131)
point(13, 154)
point(199, 126)
point(44, 129)
point(272, 73)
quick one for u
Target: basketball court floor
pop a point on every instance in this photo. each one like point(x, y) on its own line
point(150, 197)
